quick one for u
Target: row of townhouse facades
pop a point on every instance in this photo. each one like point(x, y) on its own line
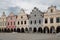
point(36, 21)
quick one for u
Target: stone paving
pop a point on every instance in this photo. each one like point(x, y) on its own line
point(29, 36)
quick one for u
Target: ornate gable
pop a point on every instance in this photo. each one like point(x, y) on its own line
point(11, 14)
point(51, 9)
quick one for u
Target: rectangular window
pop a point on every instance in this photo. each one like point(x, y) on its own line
point(21, 22)
point(14, 23)
point(18, 22)
point(8, 23)
point(51, 20)
point(30, 22)
point(35, 22)
point(11, 23)
point(46, 21)
point(24, 22)
point(58, 19)
point(39, 21)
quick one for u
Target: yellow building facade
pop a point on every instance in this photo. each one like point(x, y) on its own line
point(51, 21)
point(3, 21)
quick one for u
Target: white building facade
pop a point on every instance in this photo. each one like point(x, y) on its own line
point(22, 21)
point(36, 20)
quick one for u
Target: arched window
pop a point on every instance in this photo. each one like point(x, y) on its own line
point(11, 23)
point(30, 22)
point(35, 15)
point(18, 22)
point(8, 23)
point(24, 22)
point(35, 22)
point(51, 10)
point(46, 20)
point(21, 22)
point(14, 23)
point(21, 16)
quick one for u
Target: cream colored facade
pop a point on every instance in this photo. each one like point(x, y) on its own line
point(3, 21)
point(52, 12)
point(21, 19)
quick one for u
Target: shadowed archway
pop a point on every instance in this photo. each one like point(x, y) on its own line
point(46, 29)
point(30, 29)
point(5, 30)
point(18, 29)
point(15, 30)
point(0, 29)
point(8, 30)
point(26, 29)
point(11, 30)
point(22, 30)
point(40, 29)
point(58, 29)
point(34, 29)
point(52, 29)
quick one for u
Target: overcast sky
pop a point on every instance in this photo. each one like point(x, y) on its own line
point(15, 5)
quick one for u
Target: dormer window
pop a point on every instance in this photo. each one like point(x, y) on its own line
point(21, 16)
point(35, 15)
point(34, 7)
point(51, 10)
point(11, 18)
point(31, 12)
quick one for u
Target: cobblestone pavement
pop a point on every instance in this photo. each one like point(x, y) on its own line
point(29, 36)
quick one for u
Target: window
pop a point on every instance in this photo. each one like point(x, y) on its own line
point(21, 22)
point(35, 22)
point(58, 19)
point(51, 10)
point(18, 22)
point(14, 23)
point(11, 18)
point(35, 15)
point(30, 22)
point(34, 7)
point(51, 20)
point(46, 21)
point(39, 21)
point(8, 23)
point(21, 16)
point(24, 22)
point(11, 23)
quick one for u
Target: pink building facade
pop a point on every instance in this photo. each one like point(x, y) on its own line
point(11, 21)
